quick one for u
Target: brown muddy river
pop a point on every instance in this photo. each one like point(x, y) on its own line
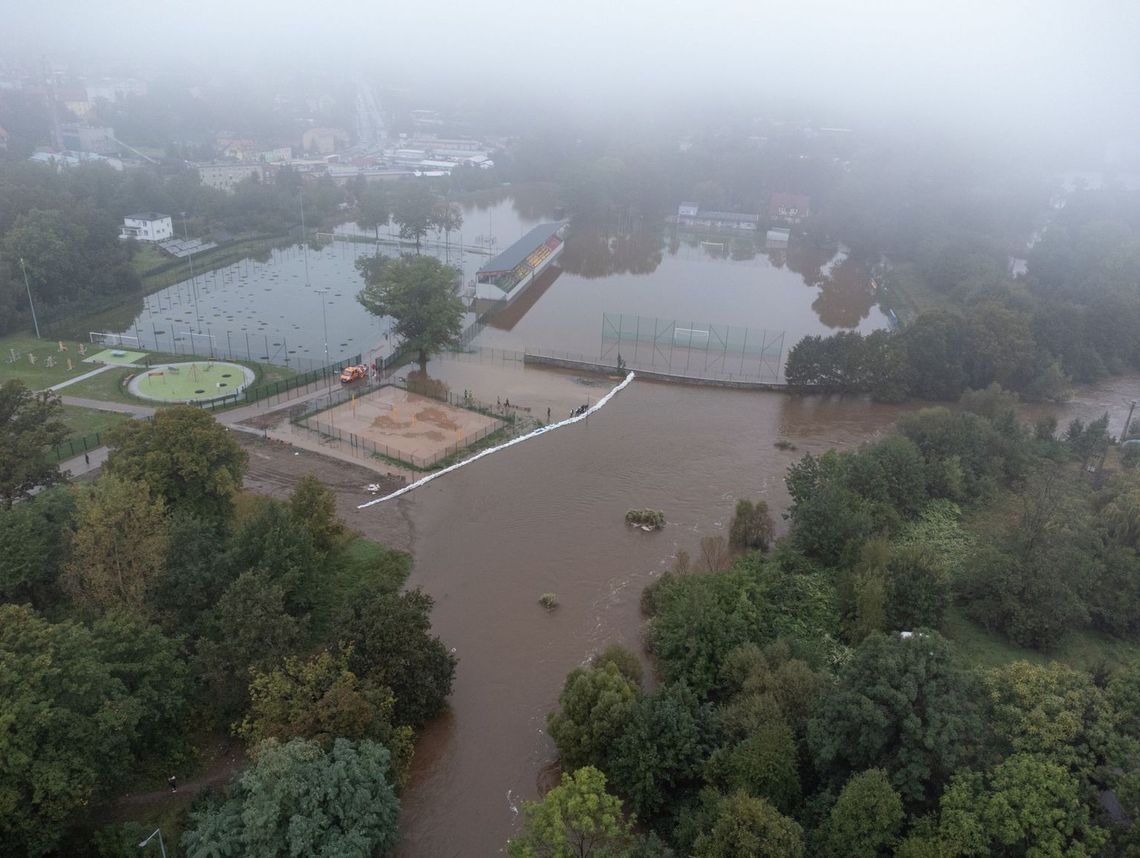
point(546, 516)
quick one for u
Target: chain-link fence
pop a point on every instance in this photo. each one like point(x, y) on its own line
point(306, 415)
point(689, 349)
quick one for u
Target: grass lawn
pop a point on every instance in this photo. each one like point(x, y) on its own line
point(368, 567)
point(108, 386)
point(1080, 649)
point(39, 375)
point(88, 421)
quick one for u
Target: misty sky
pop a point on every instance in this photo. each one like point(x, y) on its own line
point(1016, 65)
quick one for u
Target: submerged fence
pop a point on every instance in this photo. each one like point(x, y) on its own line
point(689, 349)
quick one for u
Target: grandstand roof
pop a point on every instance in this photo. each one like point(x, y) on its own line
point(521, 249)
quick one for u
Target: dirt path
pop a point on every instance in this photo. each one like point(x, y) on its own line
point(226, 759)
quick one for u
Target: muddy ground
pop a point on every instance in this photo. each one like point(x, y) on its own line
point(275, 467)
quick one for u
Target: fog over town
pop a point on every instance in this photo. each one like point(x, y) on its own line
point(611, 430)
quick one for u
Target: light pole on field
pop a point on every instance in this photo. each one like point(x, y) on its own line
point(31, 306)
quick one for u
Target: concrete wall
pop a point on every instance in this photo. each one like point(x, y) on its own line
point(650, 375)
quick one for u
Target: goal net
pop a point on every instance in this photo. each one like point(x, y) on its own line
point(106, 338)
point(697, 337)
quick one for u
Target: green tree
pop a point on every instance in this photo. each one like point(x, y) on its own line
point(663, 749)
point(373, 209)
point(197, 570)
point(751, 528)
point(270, 539)
point(34, 545)
point(153, 672)
point(625, 659)
point(392, 644)
point(77, 708)
point(184, 455)
point(999, 347)
point(576, 819)
point(594, 710)
point(416, 291)
point(118, 548)
point(749, 827)
point(1027, 806)
point(701, 619)
point(29, 426)
point(1028, 585)
point(767, 681)
point(866, 819)
point(902, 705)
point(313, 506)
point(831, 524)
point(1051, 710)
point(765, 765)
point(320, 699)
point(934, 349)
point(415, 211)
point(249, 627)
point(297, 799)
point(917, 588)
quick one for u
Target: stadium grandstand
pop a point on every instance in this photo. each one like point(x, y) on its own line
point(526, 258)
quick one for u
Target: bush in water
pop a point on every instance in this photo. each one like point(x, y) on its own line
point(653, 518)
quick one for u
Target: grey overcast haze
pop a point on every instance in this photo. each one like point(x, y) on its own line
point(1007, 67)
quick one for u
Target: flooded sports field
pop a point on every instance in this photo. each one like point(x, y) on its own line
point(279, 306)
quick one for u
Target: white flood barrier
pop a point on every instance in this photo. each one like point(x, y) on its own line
point(541, 430)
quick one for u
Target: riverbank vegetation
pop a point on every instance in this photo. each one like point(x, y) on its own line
point(1071, 317)
point(814, 698)
point(180, 614)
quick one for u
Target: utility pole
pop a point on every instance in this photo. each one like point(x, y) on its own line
point(1128, 422)
point(32, 306)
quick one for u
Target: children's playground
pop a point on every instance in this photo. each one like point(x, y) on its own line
point(190, 381)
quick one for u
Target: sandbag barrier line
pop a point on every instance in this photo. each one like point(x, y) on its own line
point(539, 431)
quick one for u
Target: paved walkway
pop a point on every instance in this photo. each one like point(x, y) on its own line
point(103, 405)
point(85, 375)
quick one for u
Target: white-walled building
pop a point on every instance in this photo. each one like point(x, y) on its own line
point(147, 226)
point(224, 177)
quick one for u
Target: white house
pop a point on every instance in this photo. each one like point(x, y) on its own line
point(147, 226)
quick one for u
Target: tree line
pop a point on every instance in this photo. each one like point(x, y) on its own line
point(812, 699)
point(1073, 316)
point(160, 607)
point(64, 225)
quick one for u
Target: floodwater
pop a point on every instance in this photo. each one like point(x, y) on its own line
point(547, 516)
point(801, 290)
point(270, 308)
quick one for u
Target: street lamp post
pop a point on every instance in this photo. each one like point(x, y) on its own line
point(32, 306)
point(325, 325)
point(193, 279)
point(161, 845)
